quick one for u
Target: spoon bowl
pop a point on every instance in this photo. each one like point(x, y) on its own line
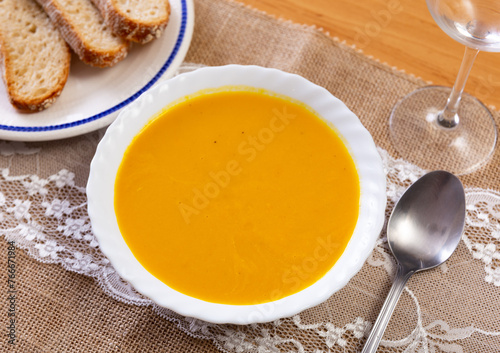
point(424, 229)
point(426, 224)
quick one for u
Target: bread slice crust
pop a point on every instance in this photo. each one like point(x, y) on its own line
point(83, 28)
point(35, 59)
point(135, 25)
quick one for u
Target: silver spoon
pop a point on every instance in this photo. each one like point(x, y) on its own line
point(423, 231)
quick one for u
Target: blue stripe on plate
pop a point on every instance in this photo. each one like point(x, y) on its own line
point(119, 105)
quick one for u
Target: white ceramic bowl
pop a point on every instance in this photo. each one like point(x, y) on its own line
point(104, 166)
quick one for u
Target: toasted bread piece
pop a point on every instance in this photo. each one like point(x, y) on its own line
point(35, 58)
point(83, 28)
point(139, 21)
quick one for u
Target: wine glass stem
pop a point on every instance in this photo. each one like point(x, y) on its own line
point(448, 117)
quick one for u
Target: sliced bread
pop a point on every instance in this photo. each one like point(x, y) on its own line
point(139, 21)
point(35, 58)
point(84, 29)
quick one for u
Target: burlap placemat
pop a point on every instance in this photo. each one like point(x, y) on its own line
point(60, 311)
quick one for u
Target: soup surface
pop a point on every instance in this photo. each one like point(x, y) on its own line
point(237, 196)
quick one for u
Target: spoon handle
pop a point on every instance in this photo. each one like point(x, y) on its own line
point(378, 329)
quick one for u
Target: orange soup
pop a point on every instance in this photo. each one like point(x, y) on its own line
point(237, 196)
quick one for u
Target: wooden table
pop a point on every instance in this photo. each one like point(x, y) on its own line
point(401, 33)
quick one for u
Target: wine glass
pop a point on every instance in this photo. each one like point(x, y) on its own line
point(443, 128)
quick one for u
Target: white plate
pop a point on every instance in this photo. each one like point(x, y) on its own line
point(109, 154)
point(93, 97)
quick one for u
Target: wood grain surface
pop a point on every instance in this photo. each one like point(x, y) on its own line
point(401, 33)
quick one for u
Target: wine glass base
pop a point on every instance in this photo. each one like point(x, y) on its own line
point(419, 139)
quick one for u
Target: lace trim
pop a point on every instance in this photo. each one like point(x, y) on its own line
point(48, 218)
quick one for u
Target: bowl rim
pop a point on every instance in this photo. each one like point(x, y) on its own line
point(109, 153)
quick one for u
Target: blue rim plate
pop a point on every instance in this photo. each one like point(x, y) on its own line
point(93, 97)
